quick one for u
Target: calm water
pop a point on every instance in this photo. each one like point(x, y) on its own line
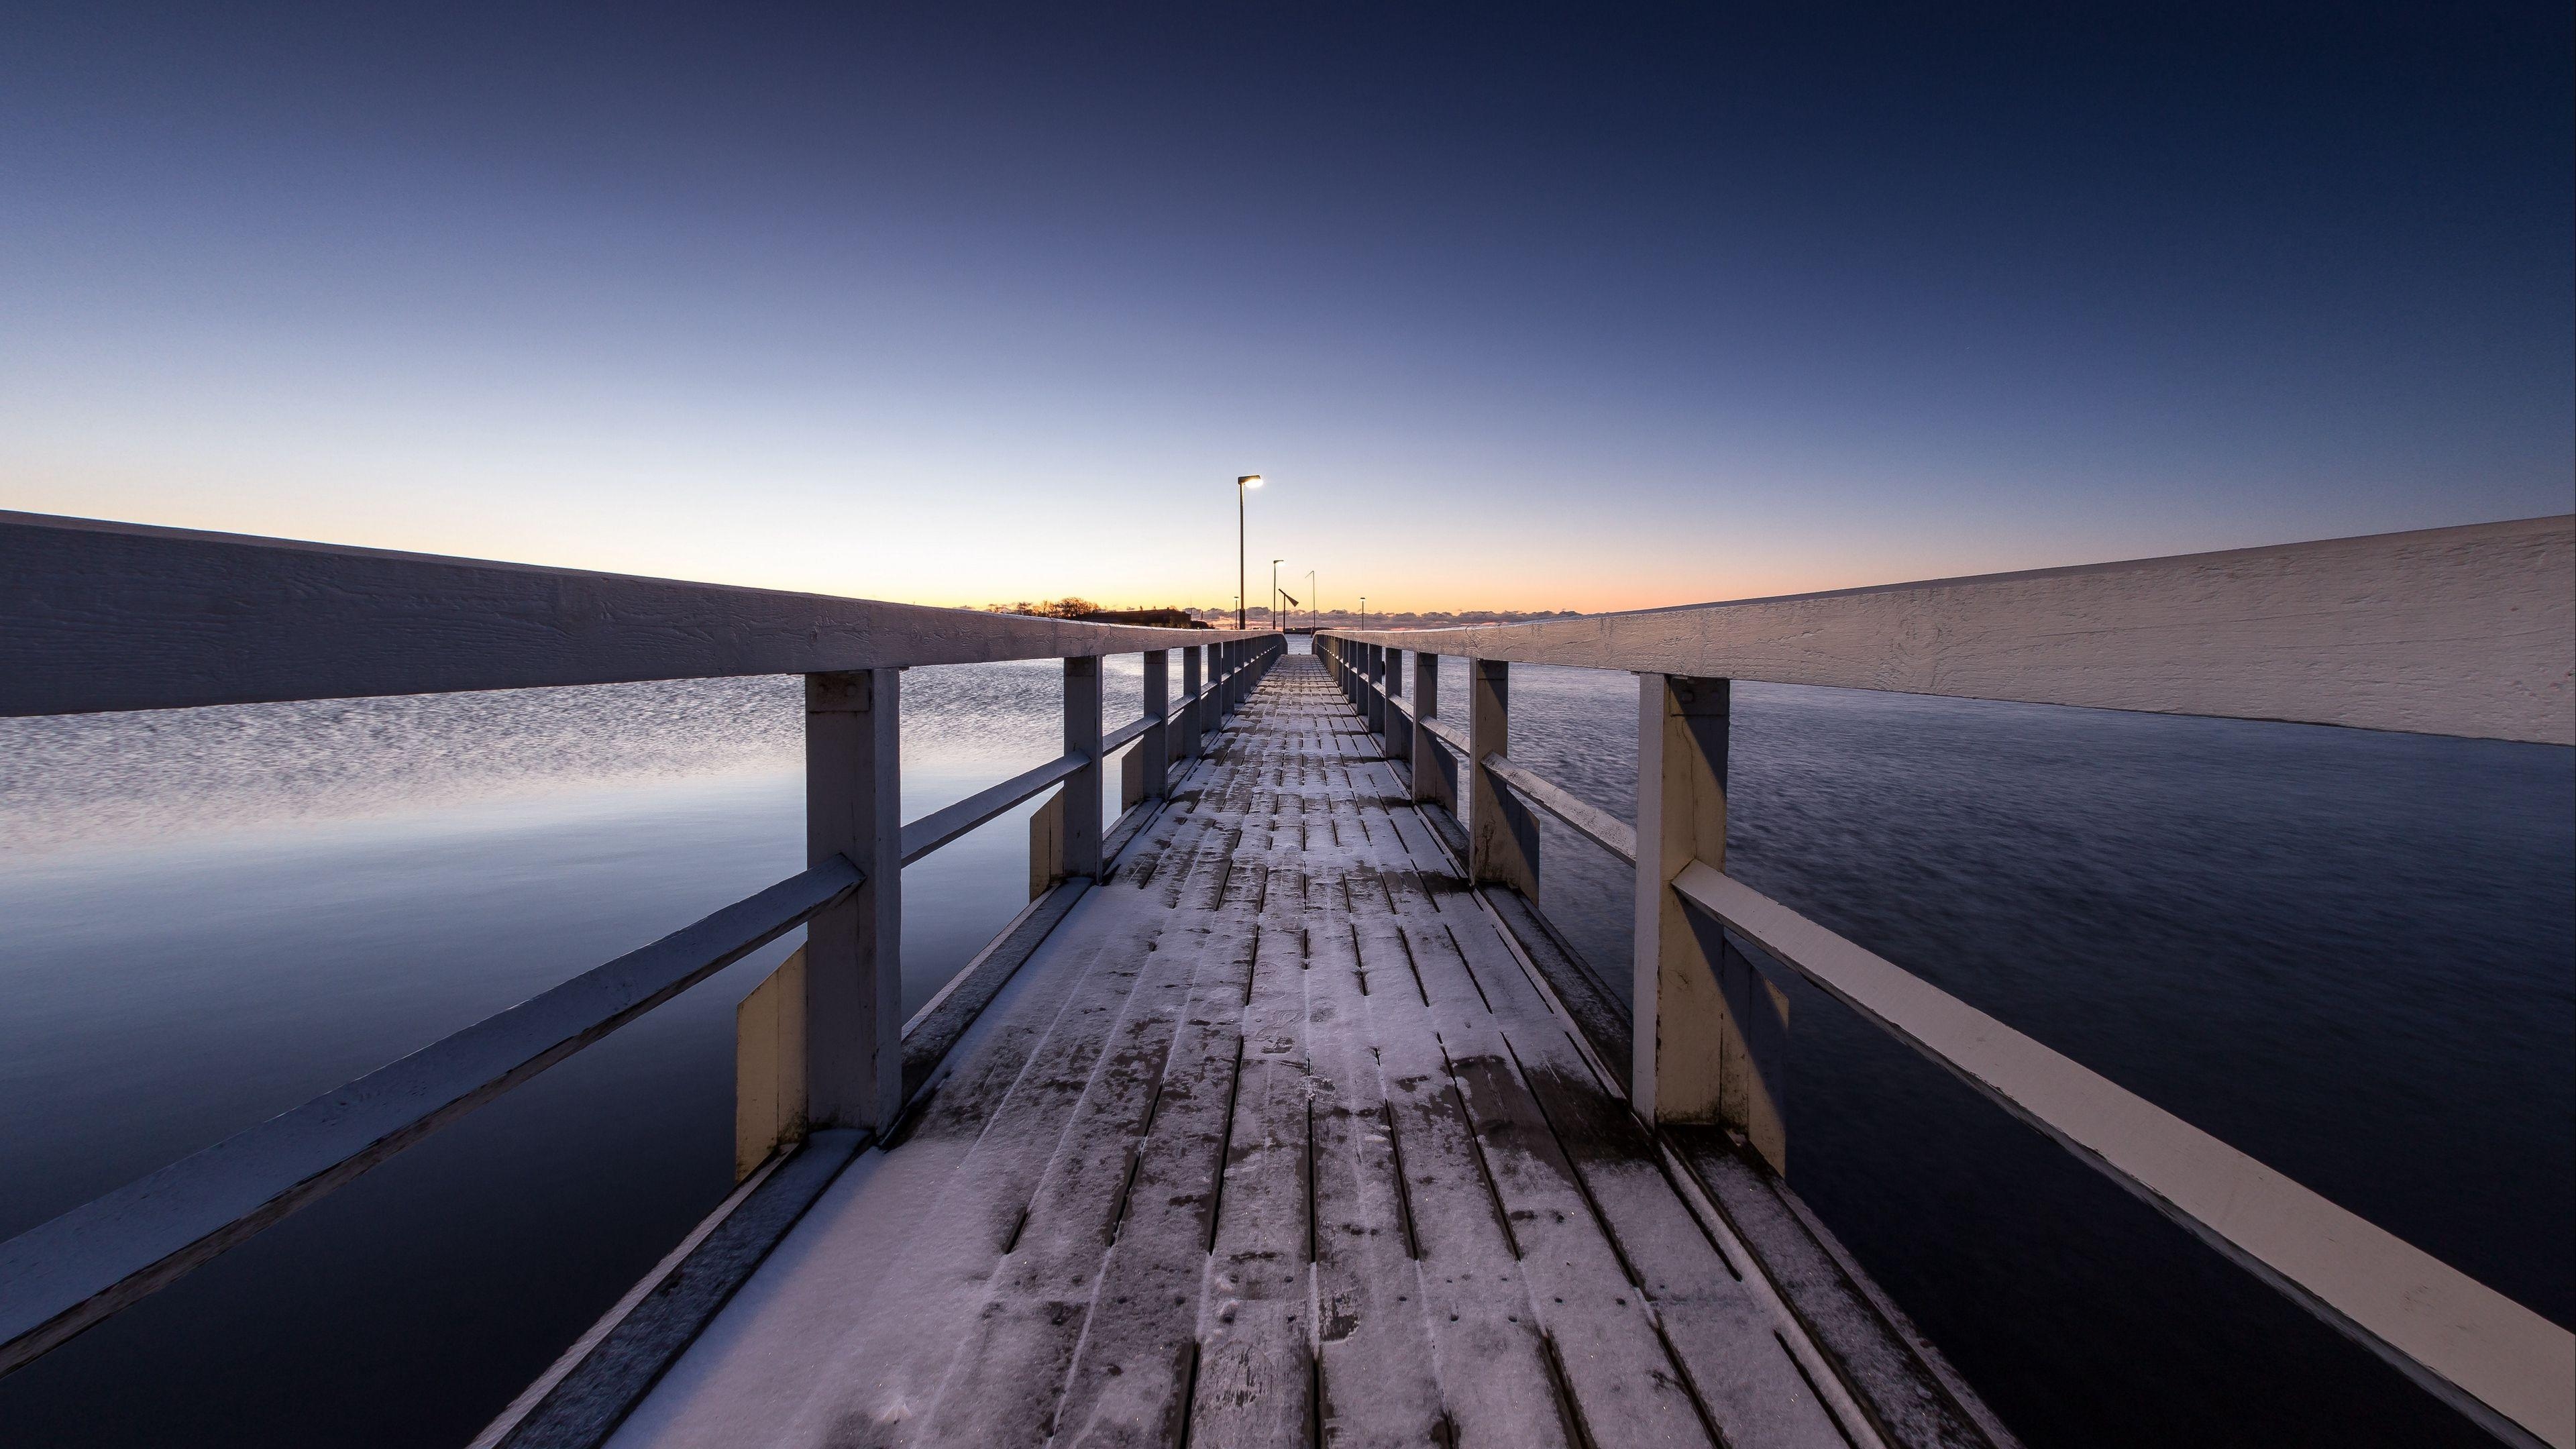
point(2352, 955)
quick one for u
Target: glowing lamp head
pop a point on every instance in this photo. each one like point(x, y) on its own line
point(1249, 480)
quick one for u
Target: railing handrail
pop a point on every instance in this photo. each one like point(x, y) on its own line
point(85, 1265)
point(2484, 1353)
point(68, 1273)
point(2449, 631)
point(99, 616)
point(1587, 819)
point(105, 616)
point(2506, 1367)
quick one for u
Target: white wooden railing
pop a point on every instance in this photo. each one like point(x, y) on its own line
point(101, 616)
point(2459, 631)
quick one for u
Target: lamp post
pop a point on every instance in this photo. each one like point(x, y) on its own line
point(1314, 604)
point(1363, 611)
point(1247, 481)
point(1274, 593)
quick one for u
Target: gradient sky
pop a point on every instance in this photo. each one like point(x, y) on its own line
point(1559, 309)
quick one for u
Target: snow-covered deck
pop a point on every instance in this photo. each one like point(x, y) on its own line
point(1275, 1140)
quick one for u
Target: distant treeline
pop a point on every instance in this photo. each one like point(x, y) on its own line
point(1167, 617)
point(1172, 616)
point(1350, 618)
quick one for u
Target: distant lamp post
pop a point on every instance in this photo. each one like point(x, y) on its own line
point(1363, 612)
point(1274, 592)
point(1314, 604)
point(1247, 481)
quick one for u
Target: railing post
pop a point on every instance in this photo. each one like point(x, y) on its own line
point(853, 951)
point(1155, 747)
point(1081, 847)
point(1377, 692)
point(1710, 1035)
point(1191, 713)
point(1503, 840)
point(1399, 729)
point(1430, 782)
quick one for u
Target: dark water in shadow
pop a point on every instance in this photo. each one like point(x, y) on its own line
point(2352, 955)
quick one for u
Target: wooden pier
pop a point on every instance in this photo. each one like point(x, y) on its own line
point(1281, 1115)
point(1275, 1137)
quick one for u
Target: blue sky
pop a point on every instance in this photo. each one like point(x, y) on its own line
point(1514, 309)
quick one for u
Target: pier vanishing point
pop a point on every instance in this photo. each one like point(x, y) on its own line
point(1282, 1115)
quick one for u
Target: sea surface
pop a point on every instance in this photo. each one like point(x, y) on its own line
point(2352, 955)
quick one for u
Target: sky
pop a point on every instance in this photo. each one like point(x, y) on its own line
point(1573, 307)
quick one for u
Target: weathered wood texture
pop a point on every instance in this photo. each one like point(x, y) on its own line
point(1582, 816)
point(2499, 1362)
point(2451, 631)
point(853, 1016)
point(1910, 1389)
point(1273, 1141)
point(111, 616)
point(65, 1275)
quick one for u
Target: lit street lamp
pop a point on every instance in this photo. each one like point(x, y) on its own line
point(1248, 480)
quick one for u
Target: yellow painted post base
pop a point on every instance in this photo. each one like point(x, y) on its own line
point(769, 1066)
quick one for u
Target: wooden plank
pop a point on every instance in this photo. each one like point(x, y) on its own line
point(1497, 1380)
point(1618, 1377)
point(1449, 734)
point(1009, 1104)
point(114, 616)
point(1379, 1380)
point(1010, 1359)
point(1133, 1374)
point(2505, 1366)
point(1725, 1340)
point(1256, 1361)
point(2451, 631)
point(919, 1223)
point(1069, 1247)
point(67, 1274)
point(1585, 818)
point(1597, 1012)
point(943, 1019)
point(1916, 1400)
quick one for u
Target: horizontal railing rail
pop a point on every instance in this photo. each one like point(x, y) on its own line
point(99, 616)
point(67, 1274)
point(1445, 732)
point(1588, 820)
point(2451, 631)
point(2487, 1354)
point(2467, 632)
point(114, 616)
point(943, 825)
